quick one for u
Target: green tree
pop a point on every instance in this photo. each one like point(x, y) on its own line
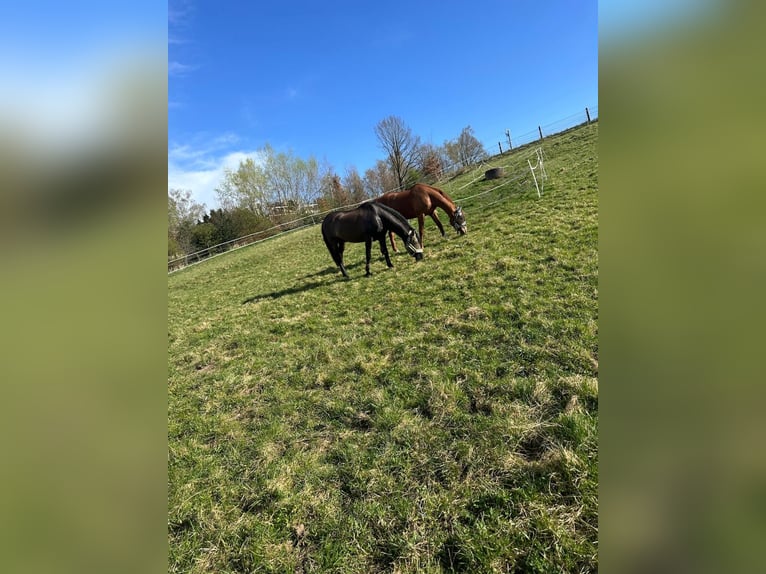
point(203, 236)
point(183, 213)
point(246, 187)
point(245, 222)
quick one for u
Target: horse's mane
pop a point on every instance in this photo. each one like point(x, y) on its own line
point(389, 211)
point(443, 193)
point(440, 196)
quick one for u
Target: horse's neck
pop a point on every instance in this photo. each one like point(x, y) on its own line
point(441, 200)
point(400, 227)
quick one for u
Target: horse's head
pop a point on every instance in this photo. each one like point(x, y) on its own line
point(458, 221)
point(413, 245)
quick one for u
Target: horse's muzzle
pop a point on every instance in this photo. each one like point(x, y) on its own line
point(418, 255)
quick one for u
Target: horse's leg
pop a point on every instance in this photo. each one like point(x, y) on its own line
point(332, 247)
point(368, 253)
point(437, 222)
point(421, 222)
point(384, 251)
point(393, 243)
point(340, 246)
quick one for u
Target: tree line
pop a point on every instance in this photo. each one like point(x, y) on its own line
point(274, 188)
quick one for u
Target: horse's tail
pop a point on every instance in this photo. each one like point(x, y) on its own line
point(331, 245)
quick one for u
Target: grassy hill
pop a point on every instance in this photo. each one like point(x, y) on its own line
point(440, 416)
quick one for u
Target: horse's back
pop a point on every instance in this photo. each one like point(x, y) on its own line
point(409, 202)
point(353, 226)
point(431, 191)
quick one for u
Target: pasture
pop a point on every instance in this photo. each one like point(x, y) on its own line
point(440, 416)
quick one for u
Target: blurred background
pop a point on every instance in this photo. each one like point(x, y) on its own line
point(682, 266)
point(83, 144)
point(83, 160)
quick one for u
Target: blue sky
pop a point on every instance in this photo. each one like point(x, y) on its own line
point(59, 62)
point(315, 78)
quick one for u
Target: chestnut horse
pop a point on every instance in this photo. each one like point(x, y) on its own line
point(367, 222)
point(421, 200)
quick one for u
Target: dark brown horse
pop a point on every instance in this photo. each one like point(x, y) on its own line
point(367, 222)
point(421, 200)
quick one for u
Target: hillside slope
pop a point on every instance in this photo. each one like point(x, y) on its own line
point(439, 416)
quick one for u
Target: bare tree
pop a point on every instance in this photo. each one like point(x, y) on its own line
point(281, 178)
point(273, 181)
point(333, 193)
point(400, 145)
point(379, 179)
point(471, 150)
point(431, 162)
point(466, 149)
point(307, 178)
point(294, 180)
point(353, 182)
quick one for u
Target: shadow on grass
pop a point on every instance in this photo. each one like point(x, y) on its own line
point(327, 271)
point(299, 288)
point(310, 285)
point(349, 267)
point(282, 292)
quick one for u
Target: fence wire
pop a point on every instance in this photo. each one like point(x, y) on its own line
point(523, 175)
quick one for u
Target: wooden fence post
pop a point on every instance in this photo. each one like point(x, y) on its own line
point(541, 132)
point(501, 148)
point(587, 114)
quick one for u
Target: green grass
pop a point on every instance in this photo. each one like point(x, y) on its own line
point(440, 416)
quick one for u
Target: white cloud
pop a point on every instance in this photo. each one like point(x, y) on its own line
point(80, 103)
point(201, 169)
point(179, 12)
point(179, 69)
point(202, 183)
